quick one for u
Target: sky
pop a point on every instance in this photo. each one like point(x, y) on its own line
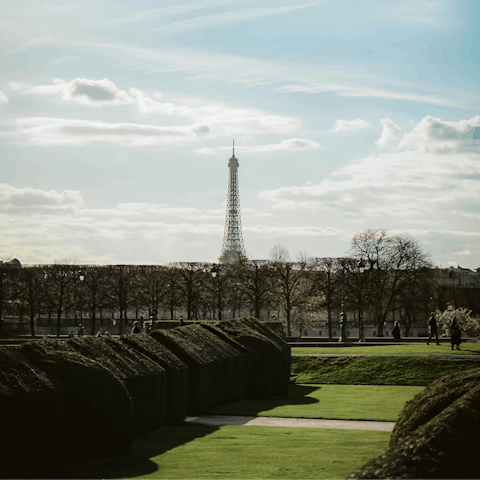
point(117, 120)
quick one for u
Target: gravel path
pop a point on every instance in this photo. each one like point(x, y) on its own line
point(220, 420)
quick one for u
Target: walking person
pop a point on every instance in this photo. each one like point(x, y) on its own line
point(455, 333)
point(136, 328)
point(80, 330)
point(432, 328)
point(396, 332)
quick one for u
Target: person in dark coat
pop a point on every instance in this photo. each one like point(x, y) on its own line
point(396, 332)
point(455, 333)
point(433, 328)
point(136, 328)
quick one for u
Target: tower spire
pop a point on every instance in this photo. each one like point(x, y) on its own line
point(232, 247)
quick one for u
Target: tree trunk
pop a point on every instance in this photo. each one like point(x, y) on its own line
point(289, 331)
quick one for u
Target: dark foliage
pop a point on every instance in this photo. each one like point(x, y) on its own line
point(33, 410)
point(431, 401)
point(431, 444)
point(97, 416)
point(267, 356)
point(144, 379)
point(175, 370)
point(215, 368)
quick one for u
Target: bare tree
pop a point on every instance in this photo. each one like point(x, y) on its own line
point(59, 288)
point(290, 282)
point(326, 283)
point(254, 278)
point(30, 291)
point(92, 291)
point(390, 261)
point(188, 280)
point(121, 288)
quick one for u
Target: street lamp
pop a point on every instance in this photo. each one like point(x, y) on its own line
point(343, 315)
point(361, 332)
point(215, 271)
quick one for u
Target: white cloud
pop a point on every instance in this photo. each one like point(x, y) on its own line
point(224, 18)
point(12, 198)
point(251, 72)
point(417, 188)
point(161, 12)
point(391, 131)
point(264, 231)
point(3, 98)
point(342, 126)
point(61, 8)
point(290, 144)
point(82, 90)
point(59, 131)
point(215, 118)
point(432, 134)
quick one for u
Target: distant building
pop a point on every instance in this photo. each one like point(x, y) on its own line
point(460, 276)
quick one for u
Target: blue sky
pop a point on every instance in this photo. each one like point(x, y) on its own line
point(117, 120)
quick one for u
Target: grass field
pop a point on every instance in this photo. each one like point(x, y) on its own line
point(235, 452)
point(342, 402)
point(376, 370)
point(418, 349)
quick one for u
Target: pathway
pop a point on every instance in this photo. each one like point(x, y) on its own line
point(444, 355)
point(221, 420)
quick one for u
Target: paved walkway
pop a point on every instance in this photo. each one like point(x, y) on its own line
point(221, 420)
point(445, 355)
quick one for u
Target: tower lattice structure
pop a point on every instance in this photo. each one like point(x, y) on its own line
point(232, 247)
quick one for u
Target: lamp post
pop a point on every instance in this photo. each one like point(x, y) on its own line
point(343, 315)
point(215, 271)
point(361, 330)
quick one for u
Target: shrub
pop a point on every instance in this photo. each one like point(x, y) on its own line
point(441, 446)
point(267, 356)
point(145, 380)
point(97, 414)
point(33, 411)
point(215, 368)
point(430, 402)
point(175, 370)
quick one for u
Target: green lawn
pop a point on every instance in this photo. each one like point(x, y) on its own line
point(421, 348)
point(233, 452)
point(343, 402)
point(376, 370)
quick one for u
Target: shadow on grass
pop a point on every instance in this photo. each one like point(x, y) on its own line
point(136, 464)
point(297, 395)
point(152, 444)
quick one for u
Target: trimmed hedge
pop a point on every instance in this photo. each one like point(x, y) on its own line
point(176, 373)
point(97, 414)
point(430, 402)
point(267, 356)
point(33, 410)
point(437, 434)
point(145, 380)
point(215, 368)
point(87, 397)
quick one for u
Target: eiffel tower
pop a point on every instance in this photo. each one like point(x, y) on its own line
point(232, 247)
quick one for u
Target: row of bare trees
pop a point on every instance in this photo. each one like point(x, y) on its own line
point(383, 275)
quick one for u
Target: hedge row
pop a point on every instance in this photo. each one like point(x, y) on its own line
point(436, 435)
point(88, 397)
